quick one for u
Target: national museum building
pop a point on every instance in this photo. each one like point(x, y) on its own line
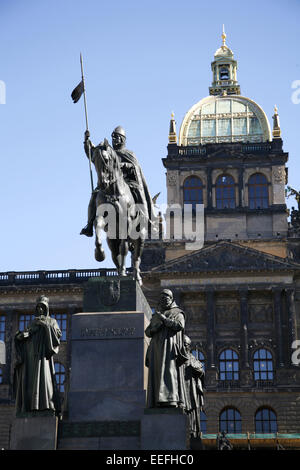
point(240, 291)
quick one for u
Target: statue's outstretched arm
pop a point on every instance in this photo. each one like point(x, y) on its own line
point(88, 146)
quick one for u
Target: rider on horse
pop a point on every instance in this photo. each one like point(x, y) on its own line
point(132, 173)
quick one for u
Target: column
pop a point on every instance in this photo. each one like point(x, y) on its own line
point(292, 324)
point(278, 326)
point(210, 302)
point(209, 188)
point(240, 188)
point(243, 294)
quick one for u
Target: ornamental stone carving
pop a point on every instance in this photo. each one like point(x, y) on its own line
point(171, 179)
point(279, 175)
point(260, 313)
point(227, 313)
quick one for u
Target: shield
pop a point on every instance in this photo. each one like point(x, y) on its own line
point(110, 292)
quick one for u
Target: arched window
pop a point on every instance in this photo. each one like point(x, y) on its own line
point(193, 191)
point(230, 421)
point(229, 365)
point(258, 191)
point(263, 365)
point(203, 422)
point(224, 72)
point(200, 356)
point(60, 376)
point(265, 421)
point(225, 192)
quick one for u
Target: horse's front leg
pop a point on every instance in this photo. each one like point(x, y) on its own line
point(99, 252)
point(122, 257)
point(136, 259)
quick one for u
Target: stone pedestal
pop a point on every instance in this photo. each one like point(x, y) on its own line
point(164, 429)
point(107, 366)
point(108, 382)
point(34, 433)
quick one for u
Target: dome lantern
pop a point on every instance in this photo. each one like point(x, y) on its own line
point(224, 69)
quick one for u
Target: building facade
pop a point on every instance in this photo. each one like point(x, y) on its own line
point(240, 291)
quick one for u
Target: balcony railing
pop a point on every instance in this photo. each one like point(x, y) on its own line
point(226, 384)
point(54, 277)
point(264, 383)
point(206, 149)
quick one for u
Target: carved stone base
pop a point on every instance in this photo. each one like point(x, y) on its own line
point(164, 429)
point(34, 433)
point(99, 435)
point(108, 372)
point(108, 379)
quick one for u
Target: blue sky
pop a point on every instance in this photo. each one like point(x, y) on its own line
point(142, 61)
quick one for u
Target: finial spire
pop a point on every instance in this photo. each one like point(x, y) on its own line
point(223, 37)
point(276, 125)
point(172, 131)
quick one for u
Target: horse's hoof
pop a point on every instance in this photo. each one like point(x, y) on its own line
point(99, 255)
point(138, 278)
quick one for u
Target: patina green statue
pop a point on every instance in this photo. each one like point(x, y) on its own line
point(34, 375)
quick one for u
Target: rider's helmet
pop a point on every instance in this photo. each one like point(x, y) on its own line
point(119, 130)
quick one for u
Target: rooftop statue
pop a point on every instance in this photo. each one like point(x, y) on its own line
point(295, 213)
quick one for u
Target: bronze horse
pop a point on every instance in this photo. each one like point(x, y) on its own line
point(117, 214)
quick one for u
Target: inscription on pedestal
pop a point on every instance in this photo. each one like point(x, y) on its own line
point(107, 332)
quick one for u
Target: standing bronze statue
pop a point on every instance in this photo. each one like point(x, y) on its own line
point(194, 375)
point(121, 183)
point(223, 443)
point(166, 384)
point(295, 213)
point(34, 375)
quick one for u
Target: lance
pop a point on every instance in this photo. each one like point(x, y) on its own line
point(86, 121)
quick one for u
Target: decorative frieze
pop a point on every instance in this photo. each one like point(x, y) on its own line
point(261, 313)
point(197, 313)
point(227, 313)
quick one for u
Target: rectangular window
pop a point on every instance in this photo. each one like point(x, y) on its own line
point(224, 127)
point(208, 128)
point(223, 106)
point(2, 327)
point(194, 129)
point(254, 126)
point(239, 126)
